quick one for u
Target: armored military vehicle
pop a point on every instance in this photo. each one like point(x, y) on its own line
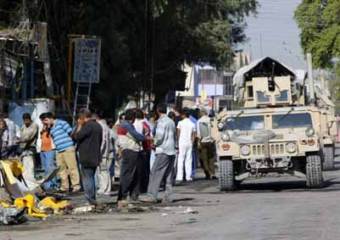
point(327, 129)
point(275, 131)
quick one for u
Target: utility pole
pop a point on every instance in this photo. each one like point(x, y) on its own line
point(148, 83)
point(261, 48)
point(152, 59)
point(69, 71)
point(310, 77)
point(24, 10)
point(146, 49)
point(26, 66)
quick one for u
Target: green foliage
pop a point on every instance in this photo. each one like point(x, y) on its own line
point(140, 42)
point(319, 21)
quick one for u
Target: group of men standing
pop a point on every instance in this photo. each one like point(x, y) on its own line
point(195, 139)
point(80, 153)
point(85, 142)
point(172, 139)
point(130, 142)
point(83, 154)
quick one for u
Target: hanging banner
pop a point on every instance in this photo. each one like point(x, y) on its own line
point(86, 60)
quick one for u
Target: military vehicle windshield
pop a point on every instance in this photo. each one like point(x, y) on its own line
point(293, 120)
point(246, 123)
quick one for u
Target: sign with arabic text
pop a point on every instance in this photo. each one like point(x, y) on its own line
point(86, 60)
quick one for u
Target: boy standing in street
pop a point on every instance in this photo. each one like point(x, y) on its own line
point(47, 154)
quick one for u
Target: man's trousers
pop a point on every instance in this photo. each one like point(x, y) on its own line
point(103, 176)
point(184, 159)
point(129, 182)
point(207, 156)
point(89, 184)
point(67, 163)
point(163, 168)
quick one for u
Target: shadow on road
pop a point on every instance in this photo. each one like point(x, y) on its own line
point(264, 185)
point(330, 185)
point(273, 186)
point(182, 200)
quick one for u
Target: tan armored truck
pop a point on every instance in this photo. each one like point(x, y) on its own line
point(275, 132)
point(327, 128)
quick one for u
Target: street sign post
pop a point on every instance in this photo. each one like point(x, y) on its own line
point(86, 60)
point(86, 68)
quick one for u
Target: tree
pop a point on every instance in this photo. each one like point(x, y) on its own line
point(144, 43)
point(319, 21)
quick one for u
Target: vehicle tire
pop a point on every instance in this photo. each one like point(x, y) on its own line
point(226, 172)
point(328, 158)
point(314, 171)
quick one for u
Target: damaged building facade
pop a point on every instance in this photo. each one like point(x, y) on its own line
point(25, 73)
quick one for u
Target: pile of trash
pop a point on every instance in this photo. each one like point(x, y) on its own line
point(18, 199)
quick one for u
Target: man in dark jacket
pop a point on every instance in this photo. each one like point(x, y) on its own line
point(89, 139)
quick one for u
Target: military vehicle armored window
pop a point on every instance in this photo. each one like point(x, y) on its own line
point(275, 131)
point(290, 120)
point(245, 123)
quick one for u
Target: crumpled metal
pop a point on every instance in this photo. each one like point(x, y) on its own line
point(29, 202)
point(11, 215)
point(52, 203)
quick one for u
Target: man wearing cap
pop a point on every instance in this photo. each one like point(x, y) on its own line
point(206, 145)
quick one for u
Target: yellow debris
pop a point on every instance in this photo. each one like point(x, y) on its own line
point(52, 203)
point(17, 168)
point(7, 167)
point(12, 170)
point(29, 202)
point(4, 204)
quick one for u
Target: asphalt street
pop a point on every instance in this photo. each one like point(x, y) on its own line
point(272, 208)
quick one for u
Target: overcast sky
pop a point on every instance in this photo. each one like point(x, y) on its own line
point(275, 25)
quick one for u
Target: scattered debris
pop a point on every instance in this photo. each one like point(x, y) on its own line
point(18, 199)
point(50, 203)
point(174, 210)
point(12, 215)
point(84, 209)
point(29, 202)
point(135, 208)
point(189, 210)
point(191, 220)
point(4, 196)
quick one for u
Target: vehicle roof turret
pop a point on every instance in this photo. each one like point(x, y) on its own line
point(267, 82)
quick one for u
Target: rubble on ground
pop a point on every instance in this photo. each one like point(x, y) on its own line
point(18, 200)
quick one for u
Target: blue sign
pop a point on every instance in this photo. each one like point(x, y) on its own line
point(86, 60)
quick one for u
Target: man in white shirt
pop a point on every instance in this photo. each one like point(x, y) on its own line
point(186, 131)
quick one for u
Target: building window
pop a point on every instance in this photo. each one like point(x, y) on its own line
point(210, 76)
point(229, 89)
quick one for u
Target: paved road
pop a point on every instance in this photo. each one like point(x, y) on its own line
point(282, 209)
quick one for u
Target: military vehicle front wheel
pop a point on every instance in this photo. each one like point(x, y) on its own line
point(314, 171)
point(328, 158)
point(226, 178)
